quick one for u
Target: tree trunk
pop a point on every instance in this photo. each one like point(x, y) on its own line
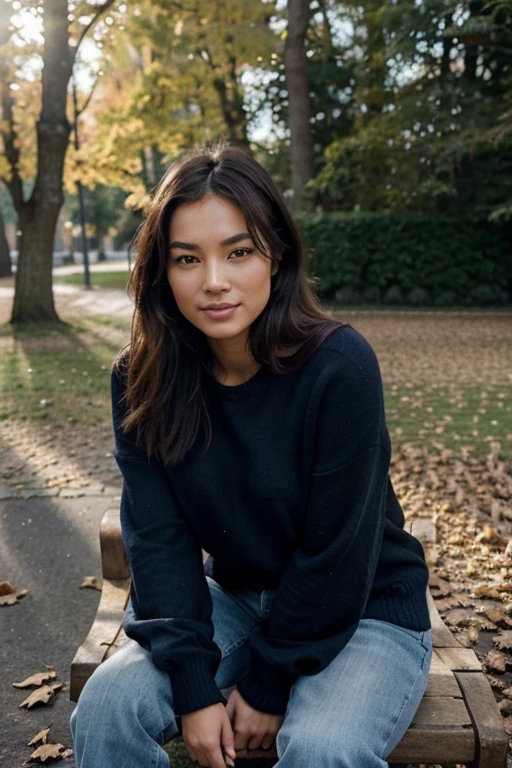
point(5, 256)
point(299, 108)
point(33, 301)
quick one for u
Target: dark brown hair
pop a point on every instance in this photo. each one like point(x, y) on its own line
point(163, 365)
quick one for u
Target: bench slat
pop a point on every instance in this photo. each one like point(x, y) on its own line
point(442, 710)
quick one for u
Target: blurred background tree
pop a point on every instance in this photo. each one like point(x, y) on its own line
point(399, 106)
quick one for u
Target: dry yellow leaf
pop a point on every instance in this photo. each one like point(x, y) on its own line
point(41, 695)
point(498, 660)
point(6, 588)
point(9, 595)
point(34, 681)
point(503, 641)
point(39, 738)
point(489, 536)
point(47, 752)
point(91, 582)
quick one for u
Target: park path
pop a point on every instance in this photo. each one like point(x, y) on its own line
point(74, 302)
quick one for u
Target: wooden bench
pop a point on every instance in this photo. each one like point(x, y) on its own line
point(458, 720)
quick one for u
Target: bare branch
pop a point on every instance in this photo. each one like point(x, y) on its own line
point(88, 99)
point(100, 11)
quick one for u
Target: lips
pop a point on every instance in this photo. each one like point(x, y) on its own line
point(220, 314)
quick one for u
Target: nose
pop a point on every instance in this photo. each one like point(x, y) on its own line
point(215, 278)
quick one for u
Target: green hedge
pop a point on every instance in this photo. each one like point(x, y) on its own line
point(409, 258)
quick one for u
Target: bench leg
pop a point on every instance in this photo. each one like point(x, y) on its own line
point(491, 741)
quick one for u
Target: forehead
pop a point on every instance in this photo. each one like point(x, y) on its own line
point(207, 218)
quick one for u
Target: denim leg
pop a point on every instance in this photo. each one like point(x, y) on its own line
point(355, 712)
point(125, 712)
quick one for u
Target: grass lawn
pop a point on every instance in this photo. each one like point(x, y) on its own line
point(115, 279)
point(61, 376)
point(451, 415)
point(64, 376)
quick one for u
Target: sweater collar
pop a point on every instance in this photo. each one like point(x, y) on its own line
point(237, 391)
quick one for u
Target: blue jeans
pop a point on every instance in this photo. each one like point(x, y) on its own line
point(350, 715)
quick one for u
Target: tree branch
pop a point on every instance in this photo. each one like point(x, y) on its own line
point(100, 11)
point(11, 145)
point(88, 99)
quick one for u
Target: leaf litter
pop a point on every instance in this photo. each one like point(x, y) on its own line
point(9, 595)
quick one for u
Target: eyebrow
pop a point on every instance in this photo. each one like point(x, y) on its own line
point(227, 241)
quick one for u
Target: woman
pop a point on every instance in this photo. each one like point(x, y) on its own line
point(250, 424)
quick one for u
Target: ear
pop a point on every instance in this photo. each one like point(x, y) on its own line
point(275, 269)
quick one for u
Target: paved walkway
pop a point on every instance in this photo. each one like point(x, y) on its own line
point(72, 301)
point(47, 546)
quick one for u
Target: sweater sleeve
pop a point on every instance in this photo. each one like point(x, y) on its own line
point(326, 584)
point(170, 607)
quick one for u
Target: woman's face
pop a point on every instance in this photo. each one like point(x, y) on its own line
point(213, 260)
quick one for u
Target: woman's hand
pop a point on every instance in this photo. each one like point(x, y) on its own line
point(208, 736)
point(253, 729)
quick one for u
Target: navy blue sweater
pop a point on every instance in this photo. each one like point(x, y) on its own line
point(293, 495)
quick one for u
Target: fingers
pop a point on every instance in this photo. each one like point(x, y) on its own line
point(259, 741)
point(228, 743)
point(268, 741)
point(215, 758)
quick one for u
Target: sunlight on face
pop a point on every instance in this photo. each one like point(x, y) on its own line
point(204, 269)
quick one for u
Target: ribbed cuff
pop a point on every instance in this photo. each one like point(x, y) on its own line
point(266, 688)
point(404, 604)
point(193, 687)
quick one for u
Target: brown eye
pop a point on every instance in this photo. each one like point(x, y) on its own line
point(178, 260)
point(243, 251)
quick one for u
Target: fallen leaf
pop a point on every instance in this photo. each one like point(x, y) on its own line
point(503, 641)
point(439, 586)
point(39, 738)
point(498, 661)
point(91, 582)
point(489, 536)
point(34, 681)
point(461, 617)
point(9, 595)
point(67, 754)
point(41, 695)
point(505, 707)
point(445, 603)
point(486, 590)
point(469, 637)
point(496, 614)
point(507, 722)
point(6, 588)
point(496, 682)
point(463, 600)
point(47, 752)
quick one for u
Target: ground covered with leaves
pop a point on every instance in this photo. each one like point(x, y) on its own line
point(448, 390)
